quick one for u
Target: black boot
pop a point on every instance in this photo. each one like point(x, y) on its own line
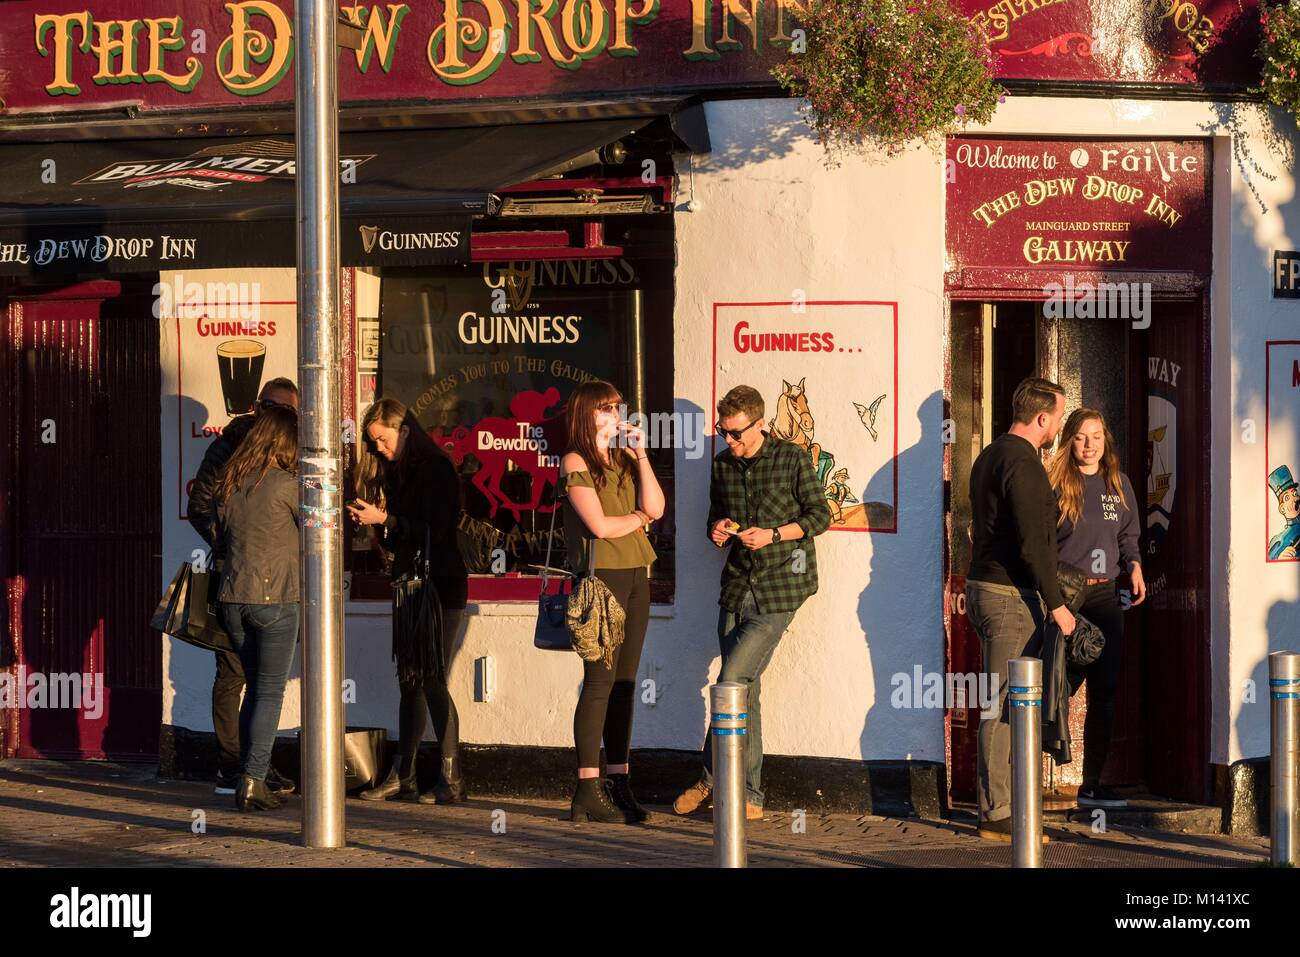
point(592, 802)
point(399, 784)
point(253, 795)
point(278, 784)
point(450, 787)
point(620, 789)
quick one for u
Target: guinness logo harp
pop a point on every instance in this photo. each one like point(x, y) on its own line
point(368, 236)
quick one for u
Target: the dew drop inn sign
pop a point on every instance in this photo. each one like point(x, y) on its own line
point(205, 54)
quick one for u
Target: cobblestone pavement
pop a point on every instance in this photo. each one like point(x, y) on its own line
point(90, 815)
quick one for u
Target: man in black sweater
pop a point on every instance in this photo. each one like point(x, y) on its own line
point(229, 681)
point(1012, 587)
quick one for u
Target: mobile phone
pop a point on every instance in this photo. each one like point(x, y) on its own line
point(355, 503)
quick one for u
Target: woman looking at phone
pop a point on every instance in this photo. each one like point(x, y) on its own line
point(415, 483)
point(611, 496)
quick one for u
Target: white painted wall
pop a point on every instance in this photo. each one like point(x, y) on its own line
point(771, 218)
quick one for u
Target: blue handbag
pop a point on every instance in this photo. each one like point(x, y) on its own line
point(552, 630)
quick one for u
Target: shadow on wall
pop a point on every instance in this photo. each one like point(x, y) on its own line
point(887, 607)
point(690, 643)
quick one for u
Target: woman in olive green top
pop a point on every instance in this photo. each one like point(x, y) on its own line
point(611, 496)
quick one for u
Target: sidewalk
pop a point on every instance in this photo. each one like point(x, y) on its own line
point(91, 815)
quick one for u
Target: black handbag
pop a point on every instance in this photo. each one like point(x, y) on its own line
point(417, 623)
point(188, 610)
point(552, 630)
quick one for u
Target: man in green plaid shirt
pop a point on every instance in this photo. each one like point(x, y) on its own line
point(766, 504)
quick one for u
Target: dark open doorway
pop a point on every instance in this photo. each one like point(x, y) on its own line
point(1152, 386)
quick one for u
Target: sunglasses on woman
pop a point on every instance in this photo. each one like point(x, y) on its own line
point(736, 434)
point(607, 407)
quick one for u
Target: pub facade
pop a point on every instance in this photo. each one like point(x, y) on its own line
point(618, 189)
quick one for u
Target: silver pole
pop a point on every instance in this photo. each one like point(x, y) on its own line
point(319, 422)
point(1026, 693)
point(1284, 693)
point(729, 721)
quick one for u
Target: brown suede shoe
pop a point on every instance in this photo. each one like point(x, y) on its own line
point(689, 801)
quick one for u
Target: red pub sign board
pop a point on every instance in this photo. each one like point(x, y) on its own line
point(206, 54)
point(1078, 205)
point(1208, 42)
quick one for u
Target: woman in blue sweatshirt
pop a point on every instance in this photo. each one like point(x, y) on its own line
point(1097, 532)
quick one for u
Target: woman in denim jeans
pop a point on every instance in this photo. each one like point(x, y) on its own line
point(256, 506)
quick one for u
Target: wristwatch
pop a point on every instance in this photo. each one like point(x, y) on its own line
point(776, 535)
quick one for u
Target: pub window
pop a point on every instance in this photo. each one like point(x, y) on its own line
point(486, 356)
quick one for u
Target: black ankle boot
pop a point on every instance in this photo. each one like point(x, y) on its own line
point(592, 802)
point(450, 787)
point(620, 789)
point(399, 784)
point(254, 795)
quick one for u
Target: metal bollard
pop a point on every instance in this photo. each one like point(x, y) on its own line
point(1284, 693)
point(1026, 695)
point(729, 721)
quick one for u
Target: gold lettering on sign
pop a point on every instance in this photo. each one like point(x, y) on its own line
point(705, 47)
point(62, 25)
point(996, 20)
point(248, 46)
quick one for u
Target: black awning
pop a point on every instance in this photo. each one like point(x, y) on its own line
point(141, 205)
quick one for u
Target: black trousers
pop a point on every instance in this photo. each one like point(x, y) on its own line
point(226, 689)
point(1101, 607)
point(609, 694)
point(420, 700)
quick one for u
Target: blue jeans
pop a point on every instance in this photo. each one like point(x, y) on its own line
point(265, 637)
point(747, 640)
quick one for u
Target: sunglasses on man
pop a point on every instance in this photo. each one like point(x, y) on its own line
point(267, 404)
point(736, 434)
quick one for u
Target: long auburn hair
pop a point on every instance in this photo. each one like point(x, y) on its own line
point(272, 442)
point(1064, 472)
point(581, 421)
point(373, 471)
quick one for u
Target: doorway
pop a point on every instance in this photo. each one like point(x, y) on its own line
point(1152, 386)
point(84, 525)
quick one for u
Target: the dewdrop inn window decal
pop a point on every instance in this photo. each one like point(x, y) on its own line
point(828, 373)
point(1278, 486)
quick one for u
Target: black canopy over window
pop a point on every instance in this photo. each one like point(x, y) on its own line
point(406, 197)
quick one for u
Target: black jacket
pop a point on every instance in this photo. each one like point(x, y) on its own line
point(1013, 519)
point(200, 509)
point(1061, 670)
point(428, 499)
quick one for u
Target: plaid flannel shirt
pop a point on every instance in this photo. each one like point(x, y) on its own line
point(775, 487)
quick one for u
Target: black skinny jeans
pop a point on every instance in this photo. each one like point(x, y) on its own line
point(420, 700)
point(1101, 607)
point(609, 694)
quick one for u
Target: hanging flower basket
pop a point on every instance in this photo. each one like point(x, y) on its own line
point(890, 73)
point(1279, 53)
